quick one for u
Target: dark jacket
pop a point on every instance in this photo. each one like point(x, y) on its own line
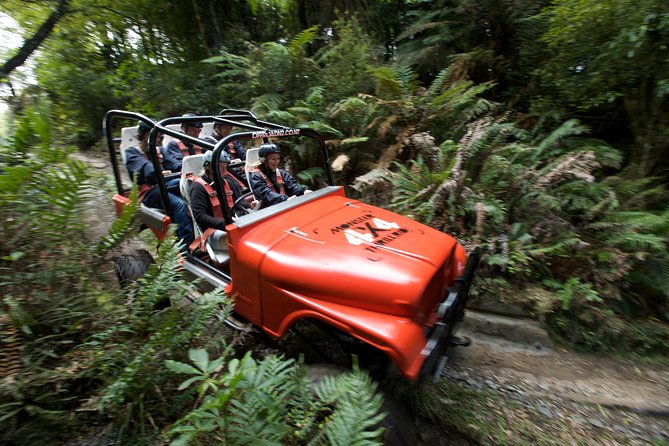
point(200, 204)
point(270, 195)
point(173, 156)
point(139, 167)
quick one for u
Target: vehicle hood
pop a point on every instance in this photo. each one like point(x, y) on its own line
point(347, 252)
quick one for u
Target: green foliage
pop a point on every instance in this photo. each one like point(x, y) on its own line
point(242, 401)
point(50, 289)
point(346, 60)
point(613, 50)
point(541, 206)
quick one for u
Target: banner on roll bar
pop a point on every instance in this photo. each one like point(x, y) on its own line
point(274, 133)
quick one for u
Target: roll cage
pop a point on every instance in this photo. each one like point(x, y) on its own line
point(256, 129)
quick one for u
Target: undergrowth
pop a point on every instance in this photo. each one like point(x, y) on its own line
point(81, 357)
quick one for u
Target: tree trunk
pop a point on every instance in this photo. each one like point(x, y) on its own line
point(649, 123)
point(215, 29)
point(31, 44)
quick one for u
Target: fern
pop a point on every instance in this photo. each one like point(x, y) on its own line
point(301, 40)
point(346, 426)
point(548, 145)
point(267, 103)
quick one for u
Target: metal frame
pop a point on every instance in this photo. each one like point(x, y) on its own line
point(237, 118)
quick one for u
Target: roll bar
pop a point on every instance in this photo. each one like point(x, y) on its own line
point(257, 129)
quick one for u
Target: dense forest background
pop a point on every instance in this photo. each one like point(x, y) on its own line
point(537, 129)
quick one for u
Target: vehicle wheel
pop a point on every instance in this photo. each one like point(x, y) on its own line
point(130, 267)
point(400, 428)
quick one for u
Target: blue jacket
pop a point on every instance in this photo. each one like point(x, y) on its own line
point(173, 156)
point(139, 166)
point(270, 195)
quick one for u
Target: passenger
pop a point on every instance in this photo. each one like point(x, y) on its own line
point(204, 203)
point(270, 184)
point(140, 166)
point(177, 149)
point(234, 148)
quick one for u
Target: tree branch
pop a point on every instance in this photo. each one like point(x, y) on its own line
point(31, 44)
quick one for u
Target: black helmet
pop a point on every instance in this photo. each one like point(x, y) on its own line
point(192, 124)
point(267, 149)
point(225, 157)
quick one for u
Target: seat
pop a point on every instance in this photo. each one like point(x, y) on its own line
point(252, 158)
point(216, 245)
point(128, 139)
point(190, 165)
point(207, 130)
point(167, 138)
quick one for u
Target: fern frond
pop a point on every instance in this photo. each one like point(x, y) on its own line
point(569, 128)
point(300, 41)
point(258, 409)
point(63, 190)
point(357, 409)
point(266, 103)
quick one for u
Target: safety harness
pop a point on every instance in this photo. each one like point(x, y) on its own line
point(215, 206)
point(279, 181)
point(184, 149)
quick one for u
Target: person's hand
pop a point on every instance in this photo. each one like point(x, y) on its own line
point(291, 197)
point(308, 191)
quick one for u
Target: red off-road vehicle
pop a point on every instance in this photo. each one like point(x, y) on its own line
point(369, 276)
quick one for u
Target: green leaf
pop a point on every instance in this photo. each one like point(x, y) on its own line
point(190, 381)
point(354, 140)
point(180, 367)
point(200, 358)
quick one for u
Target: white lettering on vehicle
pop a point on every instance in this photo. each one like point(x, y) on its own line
point(274, 133)
point(358, 238)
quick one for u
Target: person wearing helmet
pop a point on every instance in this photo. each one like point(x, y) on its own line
point(270, 184)
point(234, 148)
point(205, 205)
point(177, 149)
point(141, 170)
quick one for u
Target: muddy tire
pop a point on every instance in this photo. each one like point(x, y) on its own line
point(400, 428)
point(130, 267)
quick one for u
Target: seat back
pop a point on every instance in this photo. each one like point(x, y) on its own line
point(217, 247)
point(207, 130)
point(190, 165)
point(128, 139)
point(167, 138)
point(252, 158)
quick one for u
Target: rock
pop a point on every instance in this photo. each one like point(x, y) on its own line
point(519, 330)
point(596, 423)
